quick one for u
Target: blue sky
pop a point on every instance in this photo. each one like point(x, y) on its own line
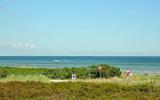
point(80, 27)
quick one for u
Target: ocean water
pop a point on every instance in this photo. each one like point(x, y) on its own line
point(136, 64)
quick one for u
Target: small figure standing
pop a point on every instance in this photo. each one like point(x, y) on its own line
point(74, 76)
point(128, 73)
point(100, 71)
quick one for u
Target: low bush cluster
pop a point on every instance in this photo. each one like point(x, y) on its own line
point(105, 71)
point(97, 71)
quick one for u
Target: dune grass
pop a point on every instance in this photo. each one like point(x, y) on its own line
point(77, 91)
point(135, 79)
point(30, 84)
point(25, 78)
point(34, 87)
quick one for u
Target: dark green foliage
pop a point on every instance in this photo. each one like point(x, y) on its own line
point(84, 72)
point(107, 71)
point(76, 91)
point(3, 72)
point(65, 73)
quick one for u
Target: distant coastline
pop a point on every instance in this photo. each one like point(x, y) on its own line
point(147, 64)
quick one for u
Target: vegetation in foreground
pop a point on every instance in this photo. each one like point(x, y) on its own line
point(77, 91)
point(35, 84)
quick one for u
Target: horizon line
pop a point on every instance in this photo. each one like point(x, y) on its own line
point(79, 56)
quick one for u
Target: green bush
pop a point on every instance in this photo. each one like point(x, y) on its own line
point(3, 73)
point(106, 72)
point(65, 73)
point(83, 72)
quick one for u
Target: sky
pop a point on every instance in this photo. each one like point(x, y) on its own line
point(79, 28)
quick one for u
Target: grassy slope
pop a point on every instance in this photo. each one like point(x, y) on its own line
point(135, 79)
point(77, 91)
point(141, 87)
point(22, 78)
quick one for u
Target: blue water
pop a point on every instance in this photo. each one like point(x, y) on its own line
point(137, 64)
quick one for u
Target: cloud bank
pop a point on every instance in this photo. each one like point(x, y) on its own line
point(17, 45)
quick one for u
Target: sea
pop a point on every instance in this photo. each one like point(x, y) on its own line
point(145, 64)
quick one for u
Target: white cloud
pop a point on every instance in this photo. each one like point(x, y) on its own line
point(18, 45)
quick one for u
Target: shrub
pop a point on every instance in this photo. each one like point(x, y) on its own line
point(106, 71)
point(3, 73)
point(83, 72)
point(66, 73)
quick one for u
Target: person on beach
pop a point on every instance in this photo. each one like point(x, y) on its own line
point(128, 73)
point(74, 76)
point(100, 71)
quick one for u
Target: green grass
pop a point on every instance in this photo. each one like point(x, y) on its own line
point(134, 80)
point(31, 84)
point(64, 73)
point(36, 74)
point(25, 71)
point(77, 91)
point(22, 78)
